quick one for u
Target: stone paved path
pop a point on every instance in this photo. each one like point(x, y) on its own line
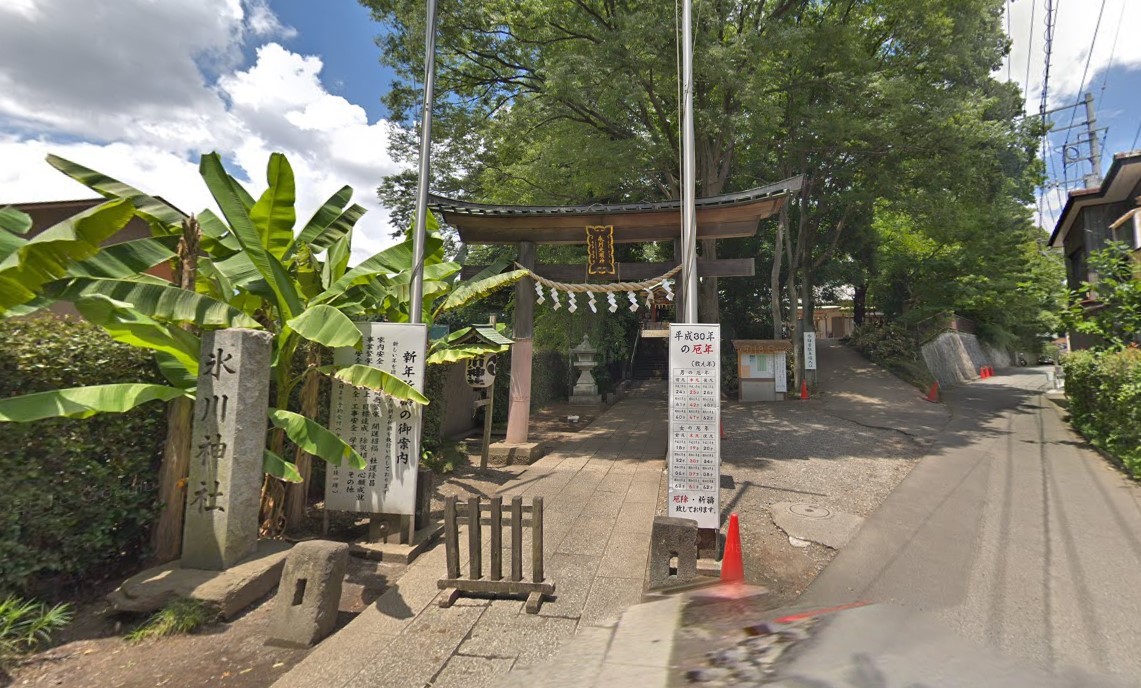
point(601, 493)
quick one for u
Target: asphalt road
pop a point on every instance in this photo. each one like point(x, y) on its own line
point(1012, 533)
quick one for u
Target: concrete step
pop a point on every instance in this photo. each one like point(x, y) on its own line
point(634, 651)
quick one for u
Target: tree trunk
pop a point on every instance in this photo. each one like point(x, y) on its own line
point(774, 282)
point(793, 312)
point(297, 494)
point(166, 534)
point(273, 489)
point(859, 304)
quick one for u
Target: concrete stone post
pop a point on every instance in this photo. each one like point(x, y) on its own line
point(227, 448)
point(305, 609)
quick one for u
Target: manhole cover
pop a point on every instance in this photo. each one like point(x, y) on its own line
point(809, 510)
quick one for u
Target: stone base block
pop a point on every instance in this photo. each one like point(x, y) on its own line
point(673, 551)
point(504, 454)
point(397, 552)
point(305, 609)
point(230, 591)
point(585, 399)
point(709, 567)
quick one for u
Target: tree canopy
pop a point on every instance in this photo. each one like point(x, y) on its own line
point(889, 108)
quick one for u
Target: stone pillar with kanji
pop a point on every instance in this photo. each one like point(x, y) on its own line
point(223, 492)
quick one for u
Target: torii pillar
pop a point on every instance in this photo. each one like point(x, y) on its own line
point(519, 410)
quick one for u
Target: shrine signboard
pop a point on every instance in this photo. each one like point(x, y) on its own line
point(600, 250)
point(695, 417)
point(384, 431)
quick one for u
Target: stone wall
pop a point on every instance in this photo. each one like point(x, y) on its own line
point(955, 357)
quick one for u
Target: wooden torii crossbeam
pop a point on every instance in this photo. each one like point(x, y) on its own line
point(727, 216)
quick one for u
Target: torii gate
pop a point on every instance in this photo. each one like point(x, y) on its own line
point(727, 216)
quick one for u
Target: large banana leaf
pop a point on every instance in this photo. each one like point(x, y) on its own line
point(83, 402)
point(472, 291)
point(280, 468)
point(176, 373)
point(391, 261)
point(326, 326)
point(49, 255)
point(217, 239)
point(336, 261)
point(126, 324)
point(315, 439)
point(9, 243)
point(229, 195)
point(273, 215)
point(326, 215)
point(15, 220)
point(26, 309)
point(163, 302)
point(376, 379)
point(463, 353)
point(127, 258)
point(147, 207)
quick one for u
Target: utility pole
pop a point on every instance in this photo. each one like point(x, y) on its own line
point(688, 173)
point(415, 308)
point(1094, 178)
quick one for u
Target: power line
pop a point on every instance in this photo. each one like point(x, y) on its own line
point(1112, 51)
point(1133, 146)
point(1085, 72)
point(1030, 45)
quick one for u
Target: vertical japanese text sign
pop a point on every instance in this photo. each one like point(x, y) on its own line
point(384, 431)
point(223, 489)
point(809, 350)
point(695, 417)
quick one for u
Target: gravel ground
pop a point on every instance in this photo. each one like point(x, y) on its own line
point(845, 449)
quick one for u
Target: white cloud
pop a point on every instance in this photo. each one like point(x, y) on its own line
point(125, 88)
point(1073, 35)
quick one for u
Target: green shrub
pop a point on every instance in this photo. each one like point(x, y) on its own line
point(1104, 391)
point(24, 625)
point(894, 347)
point(435, 382)
point(80, 494)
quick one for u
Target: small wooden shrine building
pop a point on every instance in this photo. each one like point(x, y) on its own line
point(720, 217)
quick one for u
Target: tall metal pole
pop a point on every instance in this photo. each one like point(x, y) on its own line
point(688, 172)
point(416, 307)
point(1094, 178)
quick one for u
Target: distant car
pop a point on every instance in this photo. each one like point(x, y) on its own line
point(1045, 360)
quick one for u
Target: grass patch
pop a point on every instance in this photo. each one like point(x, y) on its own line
point(24, 625)
point(179, 616)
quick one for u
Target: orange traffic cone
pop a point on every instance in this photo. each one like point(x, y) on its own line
point(732, 564)
point(803, 389)
point(933, 393)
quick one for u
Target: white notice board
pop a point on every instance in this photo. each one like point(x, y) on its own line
point(810, 350)
point(781, 372)
point(695, 418)
point(385, 432)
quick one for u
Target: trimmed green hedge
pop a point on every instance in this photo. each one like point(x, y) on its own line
point(79, 495)
point(1104, 391)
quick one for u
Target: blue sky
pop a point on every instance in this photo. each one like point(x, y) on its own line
point(342, 33)
point(139, 89)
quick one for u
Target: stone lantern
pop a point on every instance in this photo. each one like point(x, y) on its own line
point(585, 359)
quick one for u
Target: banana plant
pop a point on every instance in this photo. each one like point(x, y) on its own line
point(257, 270)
